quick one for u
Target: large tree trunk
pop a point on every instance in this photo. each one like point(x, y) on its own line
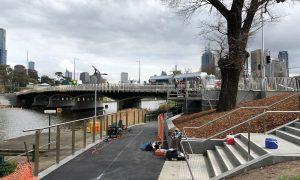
point(228, 94)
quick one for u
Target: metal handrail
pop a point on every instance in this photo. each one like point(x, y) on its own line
point(66, 123)
point(246, 107)
point(247, 121)
point(228, 129)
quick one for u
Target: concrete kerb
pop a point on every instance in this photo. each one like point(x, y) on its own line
point(77, 153)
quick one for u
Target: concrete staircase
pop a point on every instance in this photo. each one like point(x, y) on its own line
point(225, 160)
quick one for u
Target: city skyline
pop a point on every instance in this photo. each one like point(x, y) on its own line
point(138, 38)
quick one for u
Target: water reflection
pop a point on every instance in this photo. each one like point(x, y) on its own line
point(14, 120)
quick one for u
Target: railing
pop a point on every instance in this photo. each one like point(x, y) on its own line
point(129, 117)
point(106, 88)
point(235, 126)
point(235, 110)
point(248, 121)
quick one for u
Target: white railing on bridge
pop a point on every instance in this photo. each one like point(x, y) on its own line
point(105, 88)
point(266, 84)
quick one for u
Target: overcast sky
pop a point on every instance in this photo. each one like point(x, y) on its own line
point(114, 34)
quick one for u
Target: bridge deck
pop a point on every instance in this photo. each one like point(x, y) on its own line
point(122, 159)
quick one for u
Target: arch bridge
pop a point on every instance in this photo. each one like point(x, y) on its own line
point(82, 96)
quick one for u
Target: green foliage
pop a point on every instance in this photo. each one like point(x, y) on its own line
point(6, 75)
point(7, 168)
point(21, 78)
point(289, 178)
point(48, 80)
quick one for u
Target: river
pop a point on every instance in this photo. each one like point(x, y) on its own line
point(14, 120)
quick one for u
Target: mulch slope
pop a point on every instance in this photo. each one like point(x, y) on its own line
point(271, 120)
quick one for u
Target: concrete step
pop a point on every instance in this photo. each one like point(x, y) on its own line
point(292, 130)
point(297, 124)
point(175, 170)
point(235, 154)
point(258, 149)
point(198, 166)
point(288, 136)
point(243, 149)
point(225, 159)
point(216, 167)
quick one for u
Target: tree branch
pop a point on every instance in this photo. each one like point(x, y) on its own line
point(220, 7)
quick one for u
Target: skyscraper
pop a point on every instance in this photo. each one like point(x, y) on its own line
point(85, 77)
point(3, 51)
point(68, 74)
point(209, 63)
point(284, 56)
point(31, 65)
point(124, 77)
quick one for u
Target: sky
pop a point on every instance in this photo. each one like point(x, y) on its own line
point(113, 35)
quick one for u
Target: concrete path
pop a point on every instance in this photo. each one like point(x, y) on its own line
point(121, 159)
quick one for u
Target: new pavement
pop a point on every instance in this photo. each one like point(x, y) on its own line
point(120, 159)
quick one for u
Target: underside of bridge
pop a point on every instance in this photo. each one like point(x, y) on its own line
point(76, 100)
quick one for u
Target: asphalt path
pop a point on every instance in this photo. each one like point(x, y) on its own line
point(119, 159)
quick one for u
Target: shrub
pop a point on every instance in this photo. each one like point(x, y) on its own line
point(7, 168)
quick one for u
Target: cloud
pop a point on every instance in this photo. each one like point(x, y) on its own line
point(113, 35)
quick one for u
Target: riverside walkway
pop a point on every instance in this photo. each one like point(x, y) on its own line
point(119, 159)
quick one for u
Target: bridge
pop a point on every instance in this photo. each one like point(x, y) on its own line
point(129, 95)
point(82, 96)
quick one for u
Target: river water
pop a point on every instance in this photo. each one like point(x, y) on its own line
point(14, 120)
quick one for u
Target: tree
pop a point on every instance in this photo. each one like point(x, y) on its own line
point(46, 79)
point(6, 76)
point(21, 78)
point(238, 17)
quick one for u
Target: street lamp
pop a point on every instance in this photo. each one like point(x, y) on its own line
point(262, 67)
point(139, 71)
point(96, 73)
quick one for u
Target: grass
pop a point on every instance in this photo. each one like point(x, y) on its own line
point(289, 178)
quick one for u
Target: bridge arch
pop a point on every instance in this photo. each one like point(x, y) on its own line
point(87, 101)
point(61, 100)
point(40, 100)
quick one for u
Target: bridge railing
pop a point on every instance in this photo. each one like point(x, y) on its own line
point(55, 142)
point(112, 87)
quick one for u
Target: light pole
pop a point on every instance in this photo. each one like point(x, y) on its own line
point(262, 68)
point(139, 61)
point(96, 73)
point(74, 69)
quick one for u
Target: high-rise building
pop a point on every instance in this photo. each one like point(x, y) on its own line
point(209, 62)
point(256, 66)
point(124, 77)
point(31, 65)
point(68, 74)
point(85, 77)
point(284, 57)
point(3, 52)
point(20, 69)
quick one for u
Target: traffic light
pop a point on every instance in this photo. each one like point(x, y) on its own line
point(259, 67)
point(268, 59)
point(279, 1)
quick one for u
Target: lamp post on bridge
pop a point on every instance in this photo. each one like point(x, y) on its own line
point(139, 61)
point(96, 73)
